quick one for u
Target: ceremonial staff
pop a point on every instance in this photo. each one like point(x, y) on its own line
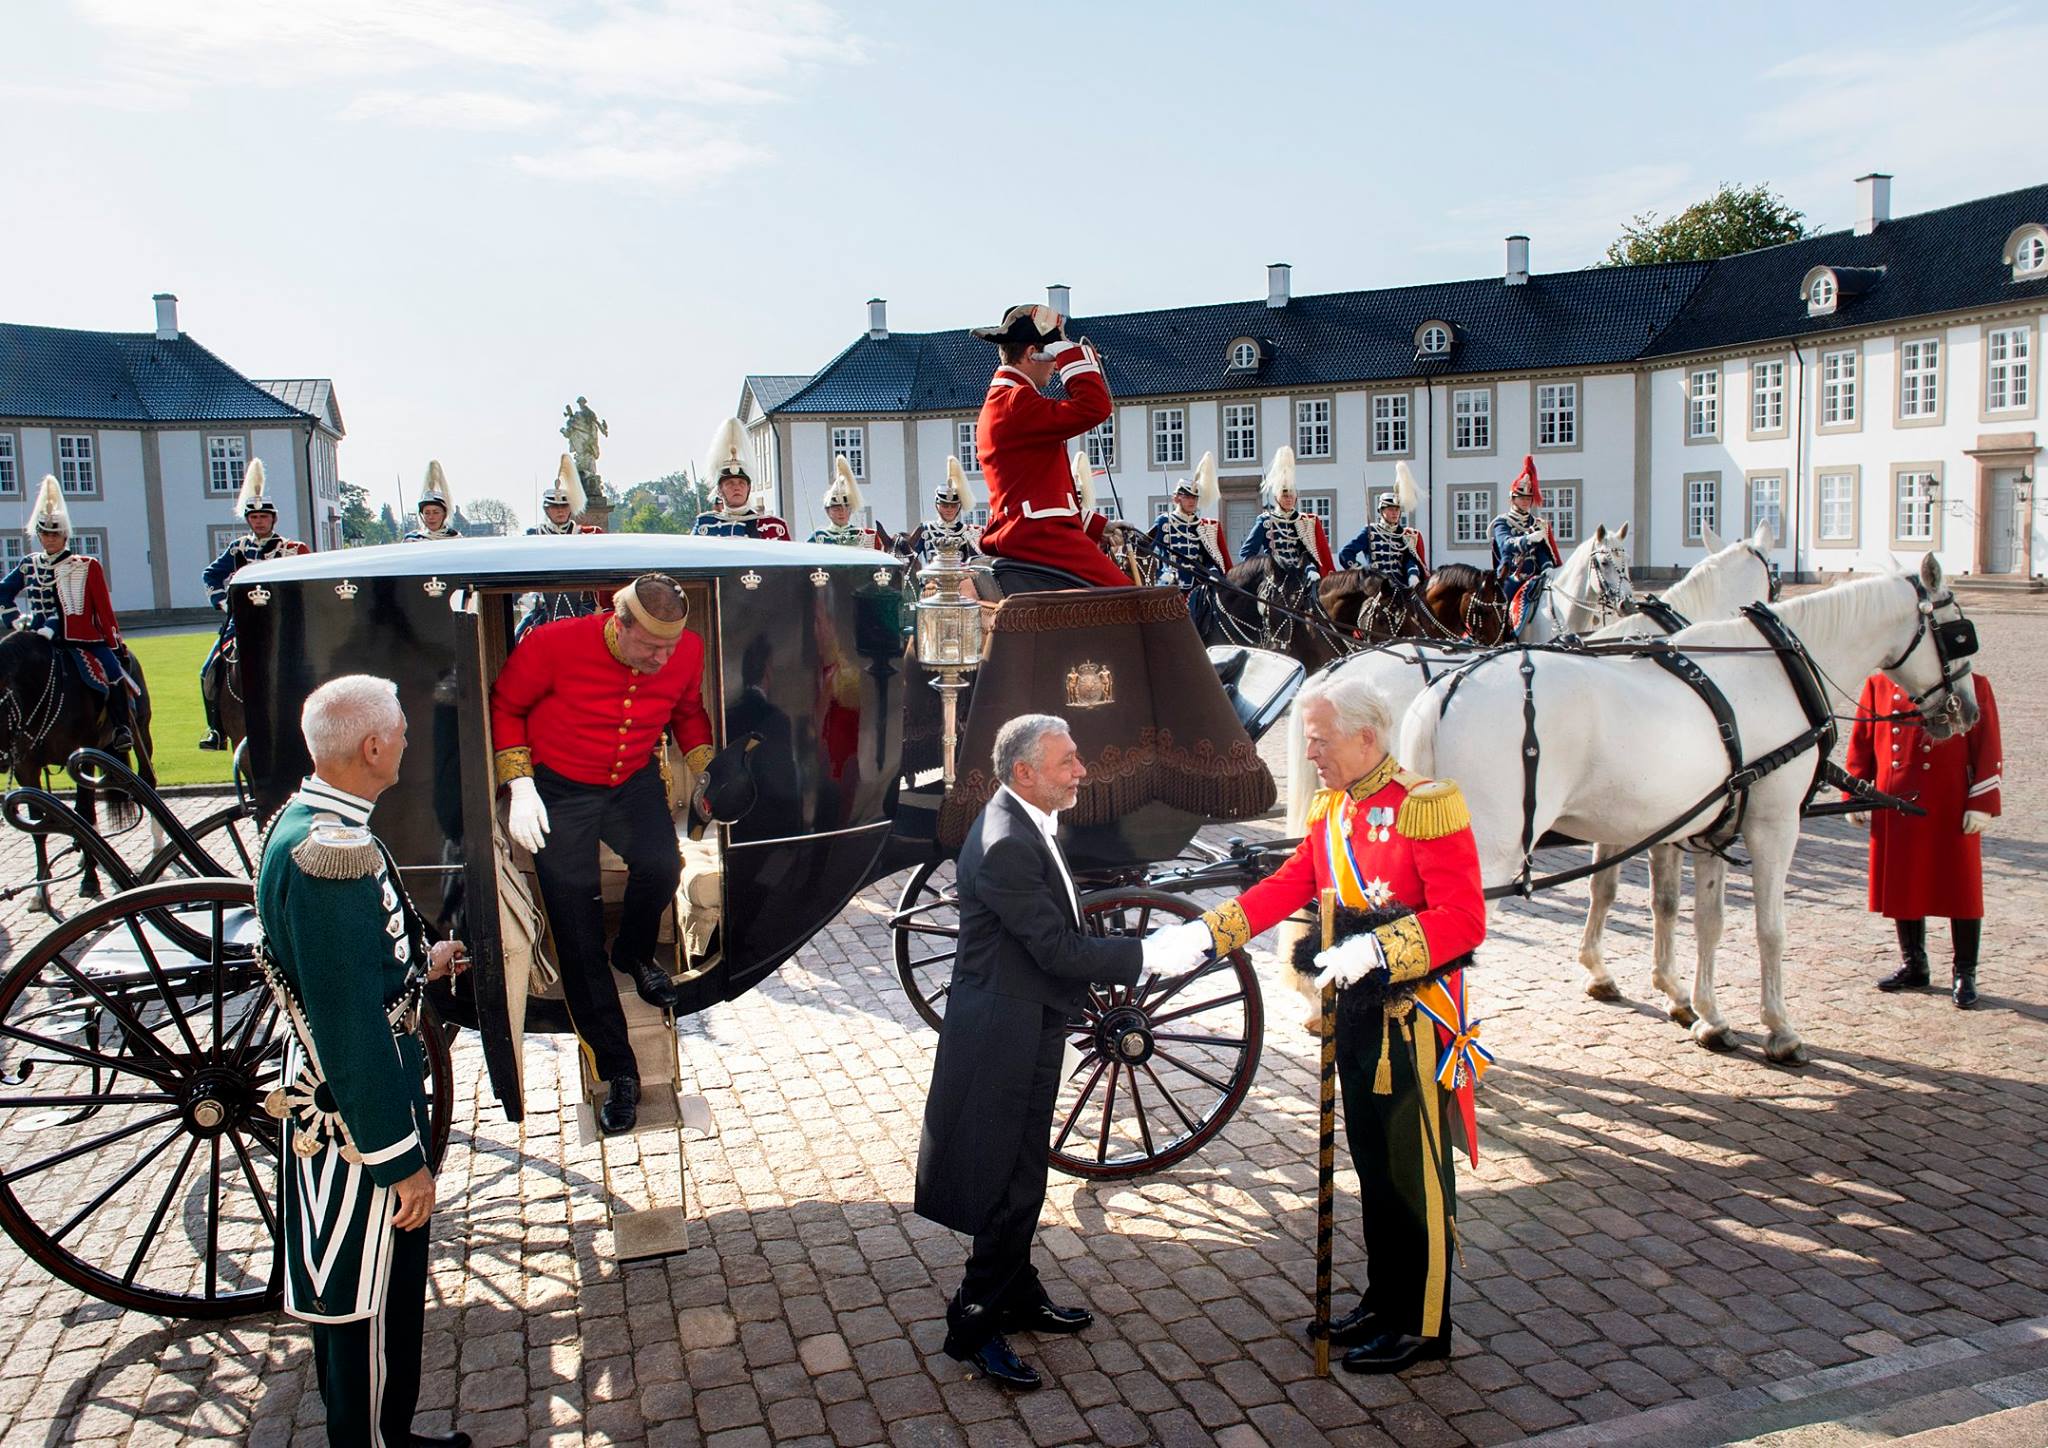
point(1326, 1148)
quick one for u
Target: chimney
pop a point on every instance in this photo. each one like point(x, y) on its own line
point(878, 320)
point(1278, 276)
point(1874, 197)
point(1060, 297)
point(166, 317)
point(1518, 261)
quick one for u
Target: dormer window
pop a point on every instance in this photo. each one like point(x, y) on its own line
point(1244, 355)
point(1433, 339)
point(2026, 252)
point(1822, 292)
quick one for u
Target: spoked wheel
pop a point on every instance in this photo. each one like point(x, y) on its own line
point(1163, 1070)
point(136, 1162)
point(926, 927)
point(230, 835)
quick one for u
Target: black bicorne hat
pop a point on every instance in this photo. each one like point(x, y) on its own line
point(1025, 322)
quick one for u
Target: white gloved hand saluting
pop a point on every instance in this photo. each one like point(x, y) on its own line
point(1349, 961)
point(527, 822)
point(1178, 948)
point(1976, 822)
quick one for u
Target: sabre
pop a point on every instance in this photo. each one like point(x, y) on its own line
point(1326, 1148)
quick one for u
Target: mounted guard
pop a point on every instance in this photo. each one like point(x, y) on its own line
point(1189, 541)
point(63, 596)
point(952, 498)
point(1387, 546)
point(560, 504)
point(435, 504)
point(842, 501)
point(736, 515)
point(1524, 547)
point(258, 545)
point(1294, 539)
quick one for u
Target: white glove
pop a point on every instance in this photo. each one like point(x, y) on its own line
point(1177, 948)
point(1860, 819)
point(1349, 961)
point(1976, 822)
point(48, 633)
point(527, 822)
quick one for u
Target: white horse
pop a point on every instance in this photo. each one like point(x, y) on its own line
point(1625, 747)
point(1588, 591)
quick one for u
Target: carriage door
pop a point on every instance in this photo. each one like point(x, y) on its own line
point(2005, 523)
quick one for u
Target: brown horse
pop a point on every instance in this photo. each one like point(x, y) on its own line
point(1469, 603)
point(1373, 608)
point(1294, 624)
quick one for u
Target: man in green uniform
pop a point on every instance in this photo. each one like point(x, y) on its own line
point(347, 957)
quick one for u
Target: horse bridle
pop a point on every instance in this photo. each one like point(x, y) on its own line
point(1773, 584)
point(1955, 641)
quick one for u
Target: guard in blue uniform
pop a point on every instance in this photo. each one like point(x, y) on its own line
point(560, 504)
point(736, 515)
point(952, 498)
point(1386, 546)
point(436, 502)
point(63, 596)
point(1295, 539)
point(842, 501)
point(1189, 542)
point(1524, 548)
point(257, 545)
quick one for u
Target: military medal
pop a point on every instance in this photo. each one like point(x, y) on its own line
point(305, 1144)
point(1379, 821)
point(276, 1105)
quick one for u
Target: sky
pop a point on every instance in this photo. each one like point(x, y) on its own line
point(468, 212)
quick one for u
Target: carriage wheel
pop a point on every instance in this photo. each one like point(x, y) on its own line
point(136, 1162)
point(1161, 1072)
point(229, 834)
point(926, 927)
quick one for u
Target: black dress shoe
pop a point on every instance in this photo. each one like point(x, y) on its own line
point(654, 986)
point(1392, 1351)
point(1910, 976)
point(1358, 1325)
point(1047, 1318)
point(995, 1361)
point(621, 1107)
point(1964, 991)
point(440, 1440)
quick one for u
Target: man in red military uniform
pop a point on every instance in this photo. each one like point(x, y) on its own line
point(1034, 513)
point(576, 716)
point(1932, 864)
point(1398, 850)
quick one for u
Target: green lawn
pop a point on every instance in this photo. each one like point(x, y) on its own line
point(170, 662)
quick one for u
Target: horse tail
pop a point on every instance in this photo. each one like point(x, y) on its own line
point(1301, 775)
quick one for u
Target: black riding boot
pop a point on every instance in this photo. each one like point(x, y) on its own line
point(121, 716)
point(209, 696)
point(1912, 974)
point(1967, 935)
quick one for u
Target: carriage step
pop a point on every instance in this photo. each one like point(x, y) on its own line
point(662, 1108)
point(645, 1235)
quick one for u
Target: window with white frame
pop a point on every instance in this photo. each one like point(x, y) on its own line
point(2008, 369)
point(1561, 509)
point(1436, 340)
point(1390, 423)
point(761, 465)
point(1702, 507)
point(219, 535)
point(1169, 437)
point(1703, 403)
point(1240, 432)
point(976, 516)
point(2030, 258)
point(1323, 505)
point(967, 444)
point(227, 458)
point(1821, 299)
point(1920, 377)
point(1243, 357)
point(1837, 492)
point(1312, 428)
point(1471, 420)
point(1557, 414)
point(13, 548)
point(1767, 504)
point(1100, 440)
point(90, 543)
point(10, 467)
point(851, 443)
point(1913, 515)
point(1766, 396)
point(1837, 388)
point(76, 471)
point(1471, 516)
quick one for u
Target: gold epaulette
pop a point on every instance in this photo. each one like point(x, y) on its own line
point(1321, 805)
point(335, 851)
point(1434, 808)
point(515, 764)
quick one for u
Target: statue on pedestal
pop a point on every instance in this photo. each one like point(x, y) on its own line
point(583, 427)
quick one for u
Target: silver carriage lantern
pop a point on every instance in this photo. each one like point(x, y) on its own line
point(949, 636)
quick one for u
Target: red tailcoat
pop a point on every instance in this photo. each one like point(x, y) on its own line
point(565, 699)
point(1921, 867)
point(87, 606)
point(1033, 513)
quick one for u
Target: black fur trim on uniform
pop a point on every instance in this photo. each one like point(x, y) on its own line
point(1376, 989)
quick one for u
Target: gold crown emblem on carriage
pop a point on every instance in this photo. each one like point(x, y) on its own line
point(346, 590)
point(259, 595)
point(750, 580)
point(434, 587)
point(820, 577)
point(881, 578)
point(1090, 686)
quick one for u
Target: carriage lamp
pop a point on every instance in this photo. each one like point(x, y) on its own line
point(949, 637)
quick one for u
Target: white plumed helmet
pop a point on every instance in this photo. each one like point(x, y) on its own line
point(844, 491)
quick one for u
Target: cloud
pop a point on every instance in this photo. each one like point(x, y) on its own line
point(663, 150)
point(459, 110)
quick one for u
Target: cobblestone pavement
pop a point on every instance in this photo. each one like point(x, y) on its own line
point(1659, 1244)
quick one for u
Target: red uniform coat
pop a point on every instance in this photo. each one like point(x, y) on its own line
point(87, 606)
point(565, 699)
point(1921, 867)
point(1032, 511)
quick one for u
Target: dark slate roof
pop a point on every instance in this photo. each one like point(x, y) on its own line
point(72, 376)
point(1559, 320)
point(313, 395)
point(772, 389)
point(1915, 266)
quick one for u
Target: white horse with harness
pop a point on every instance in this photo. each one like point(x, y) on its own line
point(1740, 701)
point(1590, 590)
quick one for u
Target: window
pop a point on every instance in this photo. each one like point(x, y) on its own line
point(1471, 420)
point(1837, 508)
point(10, 467)
point(851, 444)
point(227, 458)
point(1312, 428)
point(219, 535)
point(966, 444)
point(1435, 340)
point(1561, 507)
point(75, 471)
point(1920, 378)
point(1323, 505)
point(1837, 389)
point(13, 548)
point(1471, 516)
point(1766, 397)
point(1702, 505)
point(1390, 424)
point(1913, 506)
point(1244, 356)
point(1703, 404)
point(92, 543)
point(1169, 437)
point(1240, 432)
point(1557, 415)
point(2030, 257)
point(1767, 504)
point(1100, 441)
point(976, 516)
point(1820, 297)
point(2008, 372)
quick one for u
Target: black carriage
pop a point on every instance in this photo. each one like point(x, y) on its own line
point(136, 1043)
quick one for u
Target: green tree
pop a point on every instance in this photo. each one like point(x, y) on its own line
point(1735, 218)
point(489, 517)
point(359, 527)
point(668, 504)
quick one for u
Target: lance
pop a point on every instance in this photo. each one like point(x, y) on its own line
point(1326, 1148)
